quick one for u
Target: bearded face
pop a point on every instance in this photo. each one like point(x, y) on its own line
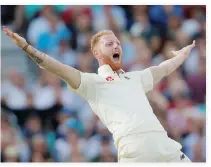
point(109, 51)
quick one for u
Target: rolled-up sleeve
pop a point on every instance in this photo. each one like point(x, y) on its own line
point(146, 79)
point(87, 87)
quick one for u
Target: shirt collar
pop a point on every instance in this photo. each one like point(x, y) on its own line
point(106, 70)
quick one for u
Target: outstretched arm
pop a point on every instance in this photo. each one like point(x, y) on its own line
point(169, 66)
point(67, 73)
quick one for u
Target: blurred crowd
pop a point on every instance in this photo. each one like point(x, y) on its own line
point(43, 121)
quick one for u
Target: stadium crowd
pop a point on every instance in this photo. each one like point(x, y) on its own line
point(43, 121)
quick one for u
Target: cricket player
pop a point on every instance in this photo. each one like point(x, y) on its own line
point(119, 98)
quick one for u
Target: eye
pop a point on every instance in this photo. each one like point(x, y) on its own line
point(109, 44)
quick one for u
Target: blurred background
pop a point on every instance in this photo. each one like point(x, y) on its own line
point(42, 121)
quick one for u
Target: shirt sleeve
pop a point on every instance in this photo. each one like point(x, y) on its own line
point(87, 87)
point(146, 79)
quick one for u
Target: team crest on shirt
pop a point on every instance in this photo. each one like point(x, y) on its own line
point(109, 78)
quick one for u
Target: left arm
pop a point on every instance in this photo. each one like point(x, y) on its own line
point(169, 66)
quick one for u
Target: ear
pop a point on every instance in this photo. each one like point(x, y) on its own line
point(96, 54)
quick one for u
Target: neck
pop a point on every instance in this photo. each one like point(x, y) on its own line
point(101, 62)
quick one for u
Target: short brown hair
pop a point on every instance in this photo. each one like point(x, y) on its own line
point(95, 39)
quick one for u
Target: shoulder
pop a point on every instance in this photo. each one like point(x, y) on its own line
point(90, 77)
point(89, 81)
point(133, 74)
point(146, 71)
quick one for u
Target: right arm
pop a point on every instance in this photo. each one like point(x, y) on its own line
point(66, 73)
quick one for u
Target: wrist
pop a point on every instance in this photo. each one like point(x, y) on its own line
point(25, 47)
point(28, 49)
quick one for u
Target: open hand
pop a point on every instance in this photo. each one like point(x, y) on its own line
point(18, 40)
point(185, 51)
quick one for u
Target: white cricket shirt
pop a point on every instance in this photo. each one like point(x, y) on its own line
point(120, 101)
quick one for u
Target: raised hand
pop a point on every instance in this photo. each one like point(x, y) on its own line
point(184, 51)
point(18, 40)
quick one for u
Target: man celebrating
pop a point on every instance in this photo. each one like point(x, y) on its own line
point(119, 98)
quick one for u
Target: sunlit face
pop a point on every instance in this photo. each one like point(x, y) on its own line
point(109, 51)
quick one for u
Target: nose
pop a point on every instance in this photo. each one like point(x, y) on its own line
point(115, 45)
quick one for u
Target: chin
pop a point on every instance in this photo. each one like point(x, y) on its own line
point(115, 65)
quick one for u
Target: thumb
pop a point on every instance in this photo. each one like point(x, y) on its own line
point(19, 40)
point(174, 52)
point(16, 36)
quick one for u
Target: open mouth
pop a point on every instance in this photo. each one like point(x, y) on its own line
point(116, 56)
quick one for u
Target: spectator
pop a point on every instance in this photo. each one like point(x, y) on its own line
point(39, 151)
point(47, 98)
point(11, 154)
point(85, 61)
point(105, 154)
point(83, 24)
point(16, 96)
point(64, 53)
point(159, 14)
point(194, 144)
point(51, 38)
point(39, 24)
point(65, 147)
point(143, 56)
point(197, 83)
point(32, 127)
point(108, 17)
point(14, 147)
point(142, 26)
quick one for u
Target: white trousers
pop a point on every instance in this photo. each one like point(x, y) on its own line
point(150, 147)
point(156, 157)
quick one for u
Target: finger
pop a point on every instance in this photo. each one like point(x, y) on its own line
point(193, 43)
point(16, 36)
point(8, 32)
point(191, 46)
point(175, 52)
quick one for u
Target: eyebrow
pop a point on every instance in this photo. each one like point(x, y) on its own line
point(113, 41)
